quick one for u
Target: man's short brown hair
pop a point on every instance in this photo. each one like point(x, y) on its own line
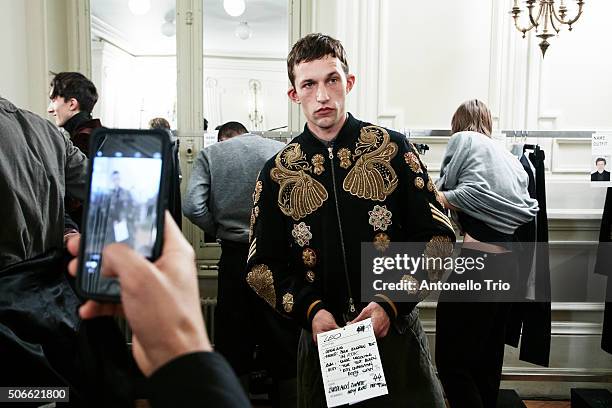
point(472, 115)
point(313, 47)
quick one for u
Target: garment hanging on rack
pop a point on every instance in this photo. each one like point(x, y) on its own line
point(530, 321)
point(602, 267)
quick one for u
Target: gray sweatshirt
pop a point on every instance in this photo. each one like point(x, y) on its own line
point(37, 167)
point(484, 180)
point(218, 196)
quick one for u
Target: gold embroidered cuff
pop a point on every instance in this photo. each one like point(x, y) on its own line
point(312, 305)
point(389, 301)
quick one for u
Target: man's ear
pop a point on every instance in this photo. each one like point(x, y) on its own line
point(292, 94)
point(350, 82)
point(74, 105)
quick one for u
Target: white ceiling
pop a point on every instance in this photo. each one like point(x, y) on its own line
point(141, 35)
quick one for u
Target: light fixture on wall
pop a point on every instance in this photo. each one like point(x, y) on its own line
point(139, 7)
point(243, 31)
point(168, 28)
point(234, 8)
point(546, 19)
point(255, 115)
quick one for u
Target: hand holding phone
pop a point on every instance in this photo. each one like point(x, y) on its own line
point(160, 299)
point(125, 202)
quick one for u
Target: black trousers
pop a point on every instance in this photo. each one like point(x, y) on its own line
point(470, 342)
point(244, 321)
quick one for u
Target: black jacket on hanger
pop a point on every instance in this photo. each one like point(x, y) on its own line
point(532, 320)
point(602, 267)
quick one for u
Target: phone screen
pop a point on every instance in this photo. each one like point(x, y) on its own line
point(124, 203)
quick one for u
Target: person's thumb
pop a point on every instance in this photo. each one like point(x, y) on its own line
point(121, 261)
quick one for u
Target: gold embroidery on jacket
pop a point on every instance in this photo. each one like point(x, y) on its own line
point(310, 276)
point(372, 177)
point(261, 280)
point(419, 183)
point(299, 193)
point(309, 256)
point(257, 192)
point(254, 215)
point(438, 247)
point(344, 155)
point(381, 242)
point(413, 162)
point(317, 161)
point(288, 302)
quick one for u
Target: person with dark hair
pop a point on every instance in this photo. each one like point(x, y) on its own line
point(205, 124)
point(159, 123)
point(222, 178)
point(601, 174)
point(42, 340)
point(339, 183)
point(230, 129)
point(486, 188)
point(73, 98)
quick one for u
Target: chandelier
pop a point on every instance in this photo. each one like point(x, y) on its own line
point(546, 19)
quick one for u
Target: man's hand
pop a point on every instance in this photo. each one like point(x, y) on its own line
point(160, 300)
point(69, 234)
point(323, 321)
point(380, 320)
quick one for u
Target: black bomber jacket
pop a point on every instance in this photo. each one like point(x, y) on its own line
point(315, 204)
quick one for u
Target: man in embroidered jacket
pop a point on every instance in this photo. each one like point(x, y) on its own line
point(339, 183)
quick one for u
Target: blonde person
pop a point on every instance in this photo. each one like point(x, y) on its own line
point(486, 189)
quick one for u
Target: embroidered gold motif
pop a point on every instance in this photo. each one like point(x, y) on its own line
point(301, 233)
point(288, 302)
point(372, 177)
point(257, 192)
point(419, 183)
point(317, 161)
point(380, 218)
point(310, 276)
point(413, 162)
point(261, 280)
point(381, 241)
point(439, 247)
point(299, 193)
point(254, 215)
point(344, 155)
point(309, 256)
point(431, 187)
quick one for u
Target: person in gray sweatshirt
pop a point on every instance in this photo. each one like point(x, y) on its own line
point(218, 200)
point(486, 188)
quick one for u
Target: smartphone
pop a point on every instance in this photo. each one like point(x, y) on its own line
point(125, 202)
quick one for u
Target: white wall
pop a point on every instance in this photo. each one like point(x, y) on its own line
point(417, 61)
point(14, 69)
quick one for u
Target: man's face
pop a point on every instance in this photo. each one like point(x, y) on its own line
point(600, 166)
point(321, 87)
point(62, 109)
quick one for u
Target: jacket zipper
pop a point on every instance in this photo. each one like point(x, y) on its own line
point(330, 149)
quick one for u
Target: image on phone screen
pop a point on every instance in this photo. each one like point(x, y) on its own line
point(123, 203)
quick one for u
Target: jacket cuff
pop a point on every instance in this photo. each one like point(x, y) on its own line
point(388, 305)
point(312, 310)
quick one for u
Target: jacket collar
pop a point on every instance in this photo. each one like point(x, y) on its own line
point(346, 135)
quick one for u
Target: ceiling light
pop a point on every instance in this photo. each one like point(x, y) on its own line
point(139, 7)
point(234, 8)
point(169, 28)
point(243, 31)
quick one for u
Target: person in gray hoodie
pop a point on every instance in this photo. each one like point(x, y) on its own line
point(485, 187)
point(218, 200)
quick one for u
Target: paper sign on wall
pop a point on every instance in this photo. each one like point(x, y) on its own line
point(601, 155)
point(350, 364)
